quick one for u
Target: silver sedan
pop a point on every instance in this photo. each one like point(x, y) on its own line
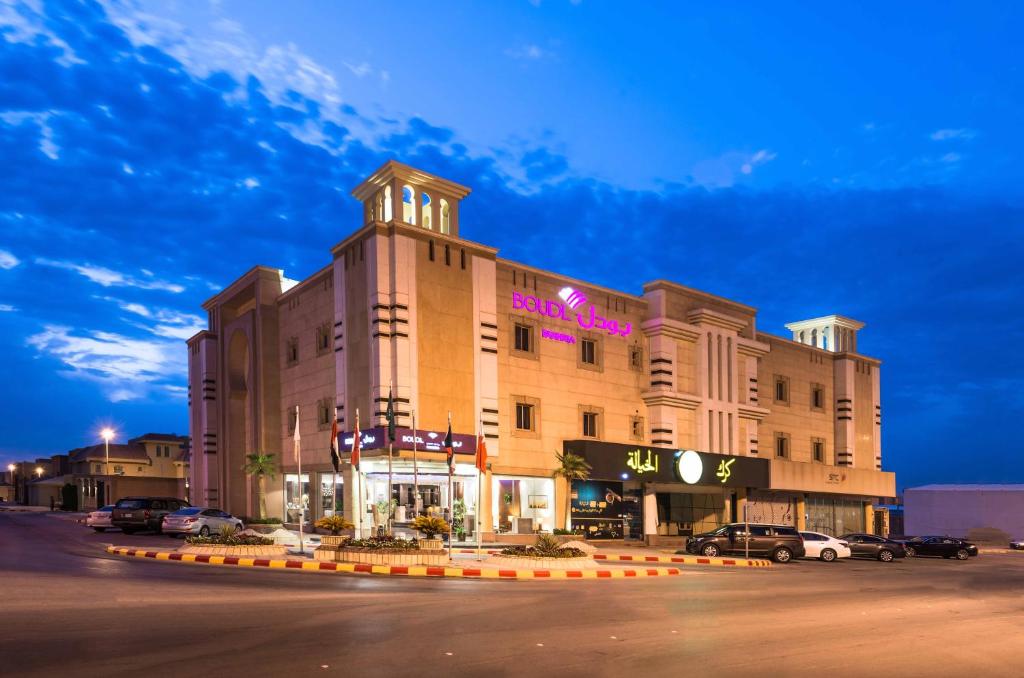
point(99, 519)
point(198, 520)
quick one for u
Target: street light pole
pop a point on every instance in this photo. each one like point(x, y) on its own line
point(14, 482)
point(107, 435)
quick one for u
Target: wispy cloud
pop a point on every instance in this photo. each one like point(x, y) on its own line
point(761, 157)
point(528, 52)
point(7, 308)
point(360, 70)
point(110, 278)
point(126, 368)
point(724, 170)
point(8, 260)
point(947, 134)
point(166, 322)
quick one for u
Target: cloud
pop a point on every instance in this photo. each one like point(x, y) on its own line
point(7, 308)
point(359, 70)
point(726, 169)
point(948, 134)
point(528, 52)
point(166, 322)
point(8, 260)
point(125, 368)
point(110, 278)
point(761, 157)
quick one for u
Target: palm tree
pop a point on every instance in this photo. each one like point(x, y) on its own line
point(260, 465)
point(571, 467)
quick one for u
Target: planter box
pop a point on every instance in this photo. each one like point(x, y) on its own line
point(333, 540)
point(431, 544)
point(528, 563)
point(380, 557)
point(217, 550)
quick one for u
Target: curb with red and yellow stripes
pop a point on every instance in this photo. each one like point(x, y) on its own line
point(684, 560)
point(393, 570)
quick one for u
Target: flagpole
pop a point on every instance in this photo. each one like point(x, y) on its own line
point(302, 505)
point(354, 460)
point(415, 471)
point(479, 495)
point(451, 515)
point(391, 453)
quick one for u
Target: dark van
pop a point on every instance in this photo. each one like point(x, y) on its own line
point(781, 543)
point(133, 514)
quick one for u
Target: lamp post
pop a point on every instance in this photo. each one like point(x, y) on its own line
point(14, 483)
point(106, 434)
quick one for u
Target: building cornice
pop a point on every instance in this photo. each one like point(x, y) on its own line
point(676, 287)
point(752, 412)
point(393, 169)
point(686, 401)
point(246, 278)
point(705, 316)
point(751, 348)
point(670, 328)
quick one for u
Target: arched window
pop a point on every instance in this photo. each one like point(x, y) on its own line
point(814, 337)
point(824, 338)
point(378, 211)
point(446, 217)
point(408, 205)
point(388, 216)
point(425, 209)
point(803, 339)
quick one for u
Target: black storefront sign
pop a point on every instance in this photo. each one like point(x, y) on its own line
point(615, 461)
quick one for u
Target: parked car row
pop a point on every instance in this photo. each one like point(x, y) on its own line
point(161, 515)
point(782, 543)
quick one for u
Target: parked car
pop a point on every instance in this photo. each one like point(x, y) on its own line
point(824, 547)
point(99, 519)
point(133, 514)
point(781, 543)
point(947, 547)
point(1018, 545)
point(873, 546)
point(198, 520)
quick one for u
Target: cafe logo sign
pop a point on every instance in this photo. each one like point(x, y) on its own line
point(636, 461)
point(725, 470)
point(690, 467)
point(573, 303)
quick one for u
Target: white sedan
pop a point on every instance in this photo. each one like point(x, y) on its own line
point(824, 547)
point(99, 519)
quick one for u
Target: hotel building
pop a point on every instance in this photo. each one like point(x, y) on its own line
point(688, 414)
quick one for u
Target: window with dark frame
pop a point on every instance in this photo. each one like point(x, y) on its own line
point(781, 389)
point(636, 428)
point(817, 397)
point(781, 445)
point(323, 339)
point(818, 449)
point(590, 424)
point(523, 338)
point(636, 358)
point(291, 420)
point(524, 416)
point(292, 351)
point(588, 351)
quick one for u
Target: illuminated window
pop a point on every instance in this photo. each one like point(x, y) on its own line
point(408, 205)
point(446, 218)
point(387, 204)
point(425, 211)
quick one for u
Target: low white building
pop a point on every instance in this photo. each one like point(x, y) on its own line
point(980, 512)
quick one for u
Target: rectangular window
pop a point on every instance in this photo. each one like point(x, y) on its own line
point(118, 470)
point(818, 449)
point(590, 424)
point(782, 445)
point(290, 418)
point(430, 250)
point(332, 496)
point(636, 358)
point(292, 351)
point(817, 397)
point(462, 256)
point(323, 339)
point(636, 428)
point(588, 351)
point(447, 255)
point(323, 414)
point(296, 497)
point(524, 416)
point(782, 389)
point(523, 338)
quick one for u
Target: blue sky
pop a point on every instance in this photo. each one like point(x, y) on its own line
point(803, 159)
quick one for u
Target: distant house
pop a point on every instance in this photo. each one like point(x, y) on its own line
point(979, 512)
point(151, 464)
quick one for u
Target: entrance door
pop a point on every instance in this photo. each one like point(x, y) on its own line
point(101, 494)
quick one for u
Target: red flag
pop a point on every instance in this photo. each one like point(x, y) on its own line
point(449, 447)
point(481, 452)
point(355, 444)
point(335, 457)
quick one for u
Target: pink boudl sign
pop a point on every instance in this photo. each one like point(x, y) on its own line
point(572, 301)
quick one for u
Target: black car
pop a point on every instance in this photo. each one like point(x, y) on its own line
point(873, 546)
point(947, 547)
point(133, 514)
point(781, 543)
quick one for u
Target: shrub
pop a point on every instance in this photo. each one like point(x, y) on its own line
point(386, 543)
point(563, 531)
point(233, 540)
point(545, 547)
point(228, 531)
point(334, 523)
point(430, 526)
point(262, 521)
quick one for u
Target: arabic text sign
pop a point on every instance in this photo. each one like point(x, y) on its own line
point(376, 438)
point(583, 313)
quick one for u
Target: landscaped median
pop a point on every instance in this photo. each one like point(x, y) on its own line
point(396, 570)
point(675, 560)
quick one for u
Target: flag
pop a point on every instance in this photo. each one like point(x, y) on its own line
point(355, 444)
point(481, 451)
point(448, 447)
point(390, 416)
point(335, 457)
point(295, 437)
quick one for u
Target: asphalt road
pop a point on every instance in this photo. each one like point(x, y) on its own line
point(68, 609)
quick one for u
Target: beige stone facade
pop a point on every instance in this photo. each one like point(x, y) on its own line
point(538, 363)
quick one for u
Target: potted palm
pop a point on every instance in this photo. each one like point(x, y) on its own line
point(335, 525)
point(430, 527)
point(571, 467)
point(261, 466)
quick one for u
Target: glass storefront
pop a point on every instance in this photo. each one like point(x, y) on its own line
point(431, 481)
point(683, 514)
point(332, 494)
point(522, 504)
point(835, 516)
point(296, 499)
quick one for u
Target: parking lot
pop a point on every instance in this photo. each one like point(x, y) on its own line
point(807, 616)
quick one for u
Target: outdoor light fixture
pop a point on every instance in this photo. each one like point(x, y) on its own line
point(11, 467)
point(39, 471)
point(107, 434)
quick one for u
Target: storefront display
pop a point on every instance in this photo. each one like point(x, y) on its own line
point(834, 516)
point(332, 495)
point(598, 508)
point(296, 499)
point(521, 503)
